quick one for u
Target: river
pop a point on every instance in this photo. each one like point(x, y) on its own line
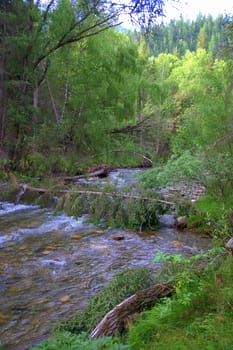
point(50, 265)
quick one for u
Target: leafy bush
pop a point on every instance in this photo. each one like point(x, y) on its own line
point(219, 167)
point(183, 167)
point(213, 216)
point(35, 164)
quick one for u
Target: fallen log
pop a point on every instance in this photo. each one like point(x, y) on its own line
point(25, 187)
point(104, 172)
point(116, 319)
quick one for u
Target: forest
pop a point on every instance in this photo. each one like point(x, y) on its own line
point(178, 36)
point(79, 91)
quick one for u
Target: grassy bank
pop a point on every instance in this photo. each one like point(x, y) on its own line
point(198, 316)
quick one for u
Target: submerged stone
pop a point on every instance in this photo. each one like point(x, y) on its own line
point(181, 221)
point(76, 237)
point(65, 298)
point(118, 238)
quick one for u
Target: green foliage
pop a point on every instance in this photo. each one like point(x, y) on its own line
point(68, 341)
point(180, 35)
point(213, 216)
point(181, 270)
point(40, 164)
point(201, 122)
point(199, 316)
point(220, 180)
point(102, 80)
point(36, 164)
point(98, 88)
point(111, 208)
point(125, 212)
point(200, 115)
point(124, 284)
point(178, 268)
point(186, 166)
point(90, 84)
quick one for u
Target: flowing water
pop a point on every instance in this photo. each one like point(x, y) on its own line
point(50, 265)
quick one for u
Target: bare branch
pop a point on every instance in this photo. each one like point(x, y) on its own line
point(84, 33)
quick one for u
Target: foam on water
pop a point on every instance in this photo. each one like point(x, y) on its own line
point(6, 238)
point(54, 223)
point(70, 223)
point(48, 222)
point(124, 177)
point(56, 262)
point(7, 208)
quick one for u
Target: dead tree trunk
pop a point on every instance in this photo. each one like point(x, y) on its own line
point(116, 319)
point(3, 93)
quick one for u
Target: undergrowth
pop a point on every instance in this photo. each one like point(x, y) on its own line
point(124, 284)
point(213, 216)
point(69, 341)
point(186, 166)
point(199, 316)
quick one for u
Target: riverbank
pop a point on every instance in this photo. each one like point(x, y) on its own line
point(119, 190)
point(199, 313)
point(52, 264)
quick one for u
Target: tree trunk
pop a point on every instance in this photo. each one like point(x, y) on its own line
point(3, 95)
point(104, 172)
point(35, 107)
point(66, 93)
point(2, 113)
point(54, 107)
point(116, 320)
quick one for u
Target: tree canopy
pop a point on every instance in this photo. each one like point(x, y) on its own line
point(72, 91)
point(32, 31)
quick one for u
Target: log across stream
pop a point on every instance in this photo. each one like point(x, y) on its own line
point(50, 265)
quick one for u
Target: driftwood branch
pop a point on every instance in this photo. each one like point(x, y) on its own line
point(116, 319)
